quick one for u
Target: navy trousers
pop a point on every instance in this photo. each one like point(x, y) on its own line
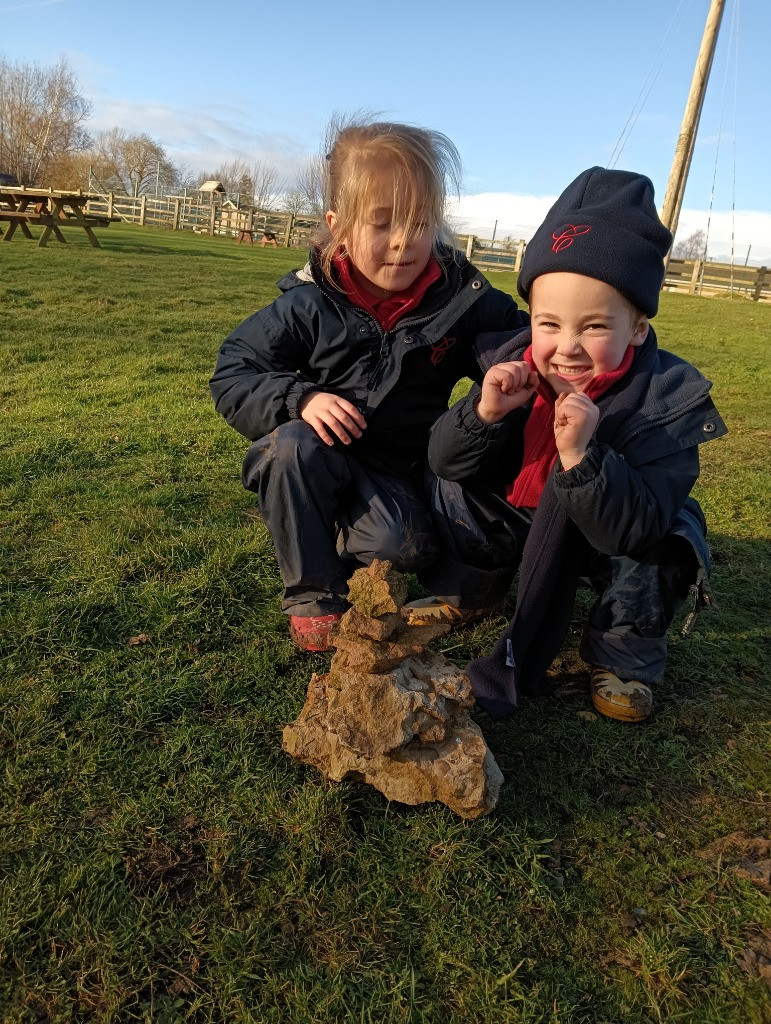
point(482, 537)
point(328, 514)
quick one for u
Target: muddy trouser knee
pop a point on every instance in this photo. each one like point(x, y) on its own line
point(481, 537)
point(626, 631)
point(327, 514)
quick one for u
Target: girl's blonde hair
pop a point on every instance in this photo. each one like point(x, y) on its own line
point(424, 163)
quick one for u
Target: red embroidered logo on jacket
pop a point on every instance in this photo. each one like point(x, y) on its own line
point(565, 236)
point(439, 348)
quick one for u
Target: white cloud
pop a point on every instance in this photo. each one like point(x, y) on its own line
point(740, 231)
point(518, 216)
point(203, 140)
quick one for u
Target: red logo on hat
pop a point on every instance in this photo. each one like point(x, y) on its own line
point(565, 235)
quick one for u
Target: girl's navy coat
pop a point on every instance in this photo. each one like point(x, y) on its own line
point(312, 338)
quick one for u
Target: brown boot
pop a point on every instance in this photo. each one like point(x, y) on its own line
point(429, 610)
point(626, 701)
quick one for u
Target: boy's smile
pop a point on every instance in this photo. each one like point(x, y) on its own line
point(581, 328)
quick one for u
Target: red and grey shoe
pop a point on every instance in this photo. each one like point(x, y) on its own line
point(313, 632)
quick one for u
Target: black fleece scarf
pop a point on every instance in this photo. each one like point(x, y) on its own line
point(549, 572)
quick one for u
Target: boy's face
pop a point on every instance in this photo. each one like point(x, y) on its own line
point(385, 257)
point(581, 328)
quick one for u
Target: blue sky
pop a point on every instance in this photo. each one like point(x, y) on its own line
point(531, 93)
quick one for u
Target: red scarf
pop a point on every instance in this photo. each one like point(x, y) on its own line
point(390, 310)
point(540, 447)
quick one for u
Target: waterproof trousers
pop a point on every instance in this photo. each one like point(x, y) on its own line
point(328, 514)
point(482, 537)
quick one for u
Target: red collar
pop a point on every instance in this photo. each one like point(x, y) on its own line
point(540, 448)
point(390, 310)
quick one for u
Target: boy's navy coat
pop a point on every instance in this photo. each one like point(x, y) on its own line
point(312, 338)
point(630, 491)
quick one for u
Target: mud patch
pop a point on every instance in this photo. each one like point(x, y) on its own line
point(163, 866)
point(747, 858)
point(756, 958)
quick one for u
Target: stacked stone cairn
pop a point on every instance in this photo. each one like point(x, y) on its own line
point(392, 712)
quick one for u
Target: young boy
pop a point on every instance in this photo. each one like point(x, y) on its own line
point(576, 458)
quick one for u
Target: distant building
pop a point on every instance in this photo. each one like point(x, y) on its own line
point(212, 190)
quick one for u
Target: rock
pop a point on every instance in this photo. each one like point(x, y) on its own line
point(393, 713)
point(377, 590)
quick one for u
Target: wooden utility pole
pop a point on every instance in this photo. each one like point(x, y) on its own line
point(678, 176)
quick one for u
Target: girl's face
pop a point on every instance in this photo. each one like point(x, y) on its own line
point(581, 327)
point(386, 259)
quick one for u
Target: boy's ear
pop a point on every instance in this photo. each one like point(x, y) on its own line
point(640, 332)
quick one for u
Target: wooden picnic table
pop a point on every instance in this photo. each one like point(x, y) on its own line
point(22, 205)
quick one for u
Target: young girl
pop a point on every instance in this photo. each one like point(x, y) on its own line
point(338, 381)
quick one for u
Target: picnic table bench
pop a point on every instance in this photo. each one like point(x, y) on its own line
point(21, 206)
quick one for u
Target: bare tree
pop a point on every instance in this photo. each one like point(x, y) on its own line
point(185, 179)
point(691, 248)
point(42, 115)
point(259, 185)
point(309, 184)
point(69, 171)
point(235, 178)
point(294, 201)
point(267, 185)
point(135, 164)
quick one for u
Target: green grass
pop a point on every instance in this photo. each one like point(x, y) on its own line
point(162, 860)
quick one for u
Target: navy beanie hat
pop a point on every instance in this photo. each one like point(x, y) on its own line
point(604, 225)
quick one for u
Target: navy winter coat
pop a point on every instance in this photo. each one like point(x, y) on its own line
point(313, 338)
point(628, 492)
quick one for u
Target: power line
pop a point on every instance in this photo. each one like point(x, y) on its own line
point(635, 112)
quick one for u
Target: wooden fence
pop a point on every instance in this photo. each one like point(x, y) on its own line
point(195, 213)
point(702, 277)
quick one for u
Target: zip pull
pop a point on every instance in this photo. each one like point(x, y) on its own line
point(699, 599)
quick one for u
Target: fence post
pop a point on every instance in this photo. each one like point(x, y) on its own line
point(175, 218)
point(110, 202)
point(288, 231)
point(212, 219)
point(469, 247)
point(520, 254)
point(759, 283)
point(142, 209)
point(698, 264)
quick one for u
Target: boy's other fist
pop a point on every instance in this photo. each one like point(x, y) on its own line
point(506, 386)
point(575, 417)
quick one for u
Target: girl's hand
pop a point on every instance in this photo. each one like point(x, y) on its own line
point(322, 410)
point(575, 417)
point(506, 386)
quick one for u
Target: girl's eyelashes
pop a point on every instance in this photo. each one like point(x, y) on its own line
point(383, 225)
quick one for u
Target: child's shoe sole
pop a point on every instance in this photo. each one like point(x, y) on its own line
point(630, 701)
point(428, 611)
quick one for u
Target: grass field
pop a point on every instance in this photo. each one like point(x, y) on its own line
point(162, 860)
